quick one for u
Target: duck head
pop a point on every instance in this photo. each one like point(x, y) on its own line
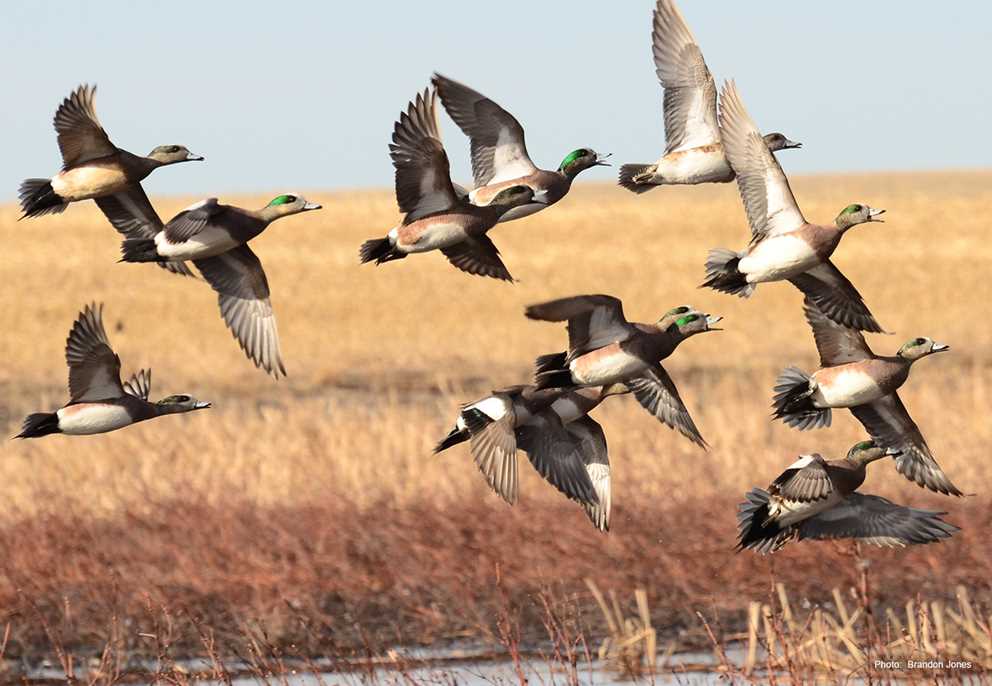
point(580, 160)
point(776, 141)
point(868, 451)
point(287, 204)
point(918, 348)
point(511, 197)
point(174, 404)
point(171, 154)
point(673, 314)
point(693, 323)
point(855, 214)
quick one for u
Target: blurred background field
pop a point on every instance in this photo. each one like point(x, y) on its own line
point(318, 497)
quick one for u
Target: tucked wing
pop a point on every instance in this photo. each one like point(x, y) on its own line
point(768, 201)
point(805, 481)
point(94, 368)
point(81, 138)
point(494, 449)
point(836, 344)
point(593, 320)
point(690, 93)
point(497, 139)
point(836, 297)
point(555, 455)
point(243, 294)
point(888, 422)
point(423, 175)
point(193, 220)
point(132, 214)
point(595, 456)
point(140, 384)
point(875, 520)
point(656, 392)
point(478, 255)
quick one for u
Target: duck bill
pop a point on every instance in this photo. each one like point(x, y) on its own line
point(190, 157)
point(872, 213)
point(312, 206)
point(712, 319)
point(202, 406)
point(791, 144)
point(601, 160)
point(939, 348)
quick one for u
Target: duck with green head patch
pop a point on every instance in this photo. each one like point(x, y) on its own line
point(694, 153)
point(499, 153)
point(784, 246)
point(852, 376)
point(437, 218)
point(92, 166)
point(215, 238)
point(604, 349)
point(815, 499)
point(99, 402)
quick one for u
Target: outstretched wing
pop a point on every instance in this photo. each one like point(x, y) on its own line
point(193, 220)
point(132, 214)
point(595, 456)
point(768, 201)
point(593, 320)
point(656, 392)
point(878, 521)
point(836, 344)
point(477, 255)
point(497, 139)
point(140, 384)
point(94, 368)
point(243, 294)
point(423, 175)
point(690, 93)
point(80, 135)
point(836, 297)
point(555, 455)
point(805, 481)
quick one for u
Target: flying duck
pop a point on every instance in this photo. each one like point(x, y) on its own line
point(852, 376)
point(98, 401)
point(815, 499)
point(499, 154)
point(784, 246)
point(215, 237)
point(604, 349)
point(92, 166)
point(436, 217)
point(693, 151)
point(565, 445)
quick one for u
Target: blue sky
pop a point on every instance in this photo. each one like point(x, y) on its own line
point(302, 95)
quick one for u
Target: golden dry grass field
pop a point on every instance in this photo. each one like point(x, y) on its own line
point(380, 357)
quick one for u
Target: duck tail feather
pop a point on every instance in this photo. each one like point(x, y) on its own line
point(793, 401)
point(454, 437)
point(723, 275)
point(754, 529)
point(635, 177)
point(558, 378)
point(37, 198)
point(139, 250)
point(39, 424)
point(549, 363)
point(379, 249)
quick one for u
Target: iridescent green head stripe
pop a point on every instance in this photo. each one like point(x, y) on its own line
point(282, 200)
point(865, 445)
point(571, 157)
point(852, 209)
point(173, 399)
point(688, 319)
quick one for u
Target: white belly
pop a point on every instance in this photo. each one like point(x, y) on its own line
point(778, 258)
point(439, 235)
point(92, 419)
point(605, 370)
point(83, 183)
point(694, 166)
point(846, 388)
point(209, 242)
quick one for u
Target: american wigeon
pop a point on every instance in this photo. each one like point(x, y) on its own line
point(436, 217)
point(215, 237)
point(784, 246)
point(604, 349)
point(499, 154)
point(98, 401)
point(693, 151)
point(565, 445)
point(852, 376)
point(815, 499)
point(92, 166)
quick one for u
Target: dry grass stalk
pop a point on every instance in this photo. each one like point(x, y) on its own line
point(631, 646)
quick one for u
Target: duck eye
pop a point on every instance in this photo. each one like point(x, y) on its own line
point(172, 148)
point(919, 341)
point(182, 398)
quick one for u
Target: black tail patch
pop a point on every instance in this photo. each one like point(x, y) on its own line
point(139, 250)
point(723, 275)
point(629, 174)
point(549, 363)
point(560, 378)
point(37, 198)
point(753, 528)
point(379, 249)
point(793, 401)
point(454, 437)
point(39, 424)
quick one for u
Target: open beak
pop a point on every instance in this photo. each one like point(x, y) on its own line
point(872, 213)
point(893, 452)
point(939, 348)
point(712, 319)
point(190, 157)
point(312, 206)
point(201, 405)
point(791, 144)
point(601, 160)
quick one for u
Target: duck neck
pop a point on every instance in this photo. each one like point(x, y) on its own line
point(138, 167)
